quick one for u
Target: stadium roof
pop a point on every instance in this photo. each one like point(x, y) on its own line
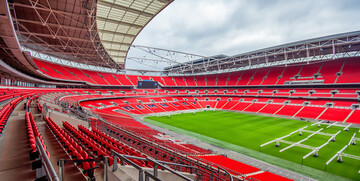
point(100, 33)
point(94, 32)
point(322, 48)
point(119, 22)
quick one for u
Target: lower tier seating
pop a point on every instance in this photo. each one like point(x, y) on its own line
point(74, 150)
point(232, 165)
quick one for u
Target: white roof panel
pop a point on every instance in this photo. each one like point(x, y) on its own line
point(120, 21)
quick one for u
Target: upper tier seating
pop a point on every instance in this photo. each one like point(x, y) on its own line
point(334, 71)
point(350, 72)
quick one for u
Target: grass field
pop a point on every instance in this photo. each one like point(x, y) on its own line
point(245, 133)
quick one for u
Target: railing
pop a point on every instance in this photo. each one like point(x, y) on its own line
point(62, 162)
point(156, 163)
point(203, 168)
point(148, 174)
point(212, 172)
point(47, 167)
point(123, 158)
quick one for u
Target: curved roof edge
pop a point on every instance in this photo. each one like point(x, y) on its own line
point(120, 22)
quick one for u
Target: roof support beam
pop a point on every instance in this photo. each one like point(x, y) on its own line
point(116, 33)
point(118, 22)
point(50, 24)
point(47, 9)
point(116, 43)
point(124, 8)
point(51, 36)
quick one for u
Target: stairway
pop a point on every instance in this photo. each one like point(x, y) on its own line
point(347, 117)
point(342, 66)
point(321, 113)
point(15, 163)
point(298, 111)
point(56, 151)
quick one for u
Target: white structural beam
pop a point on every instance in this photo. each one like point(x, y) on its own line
point(331, 125)
point(297, 143)
point(339, 153)
point(322, 48)
point(277, 139)
point(347, 127)
point(320, 133)
point(317, 123)
point(316, 150)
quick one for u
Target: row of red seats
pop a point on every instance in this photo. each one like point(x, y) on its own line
point(238, 167)
point(198, 149)
point(232, 165)
point(161, 153)
point(286, 93)
point(111, 144)
point(6, 97)
point(181, 149)
point(72, 148)
point(312, 110)
point(91, 144)
point(137, 128)
point(6, 111)
point(40, 108)
point(326, 71)
point(267, 176)
point(33, 132)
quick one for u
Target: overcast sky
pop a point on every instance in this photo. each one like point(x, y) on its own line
point(230, 27)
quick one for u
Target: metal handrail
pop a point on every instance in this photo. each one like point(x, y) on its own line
point(106, 124)
point(156, 163)
point(224, 170)
point(148, 174)
point(123, 158)
point(162, 162)
point(50, 171)
point(168, 169)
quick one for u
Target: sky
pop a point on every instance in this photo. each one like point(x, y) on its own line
point(230, 27)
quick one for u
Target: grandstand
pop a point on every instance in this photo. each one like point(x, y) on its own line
point(70, 110)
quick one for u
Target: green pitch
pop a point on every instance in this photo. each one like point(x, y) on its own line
point(245, 133)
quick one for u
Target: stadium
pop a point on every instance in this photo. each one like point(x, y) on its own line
point(72, 108)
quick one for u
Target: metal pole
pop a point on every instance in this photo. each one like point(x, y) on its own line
point(61, 170)
point(46, 161)
point(106, 161)
point(155, 170)
point(155, 153)
point(115, 165)
point(219, 173)
point(141, 175)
